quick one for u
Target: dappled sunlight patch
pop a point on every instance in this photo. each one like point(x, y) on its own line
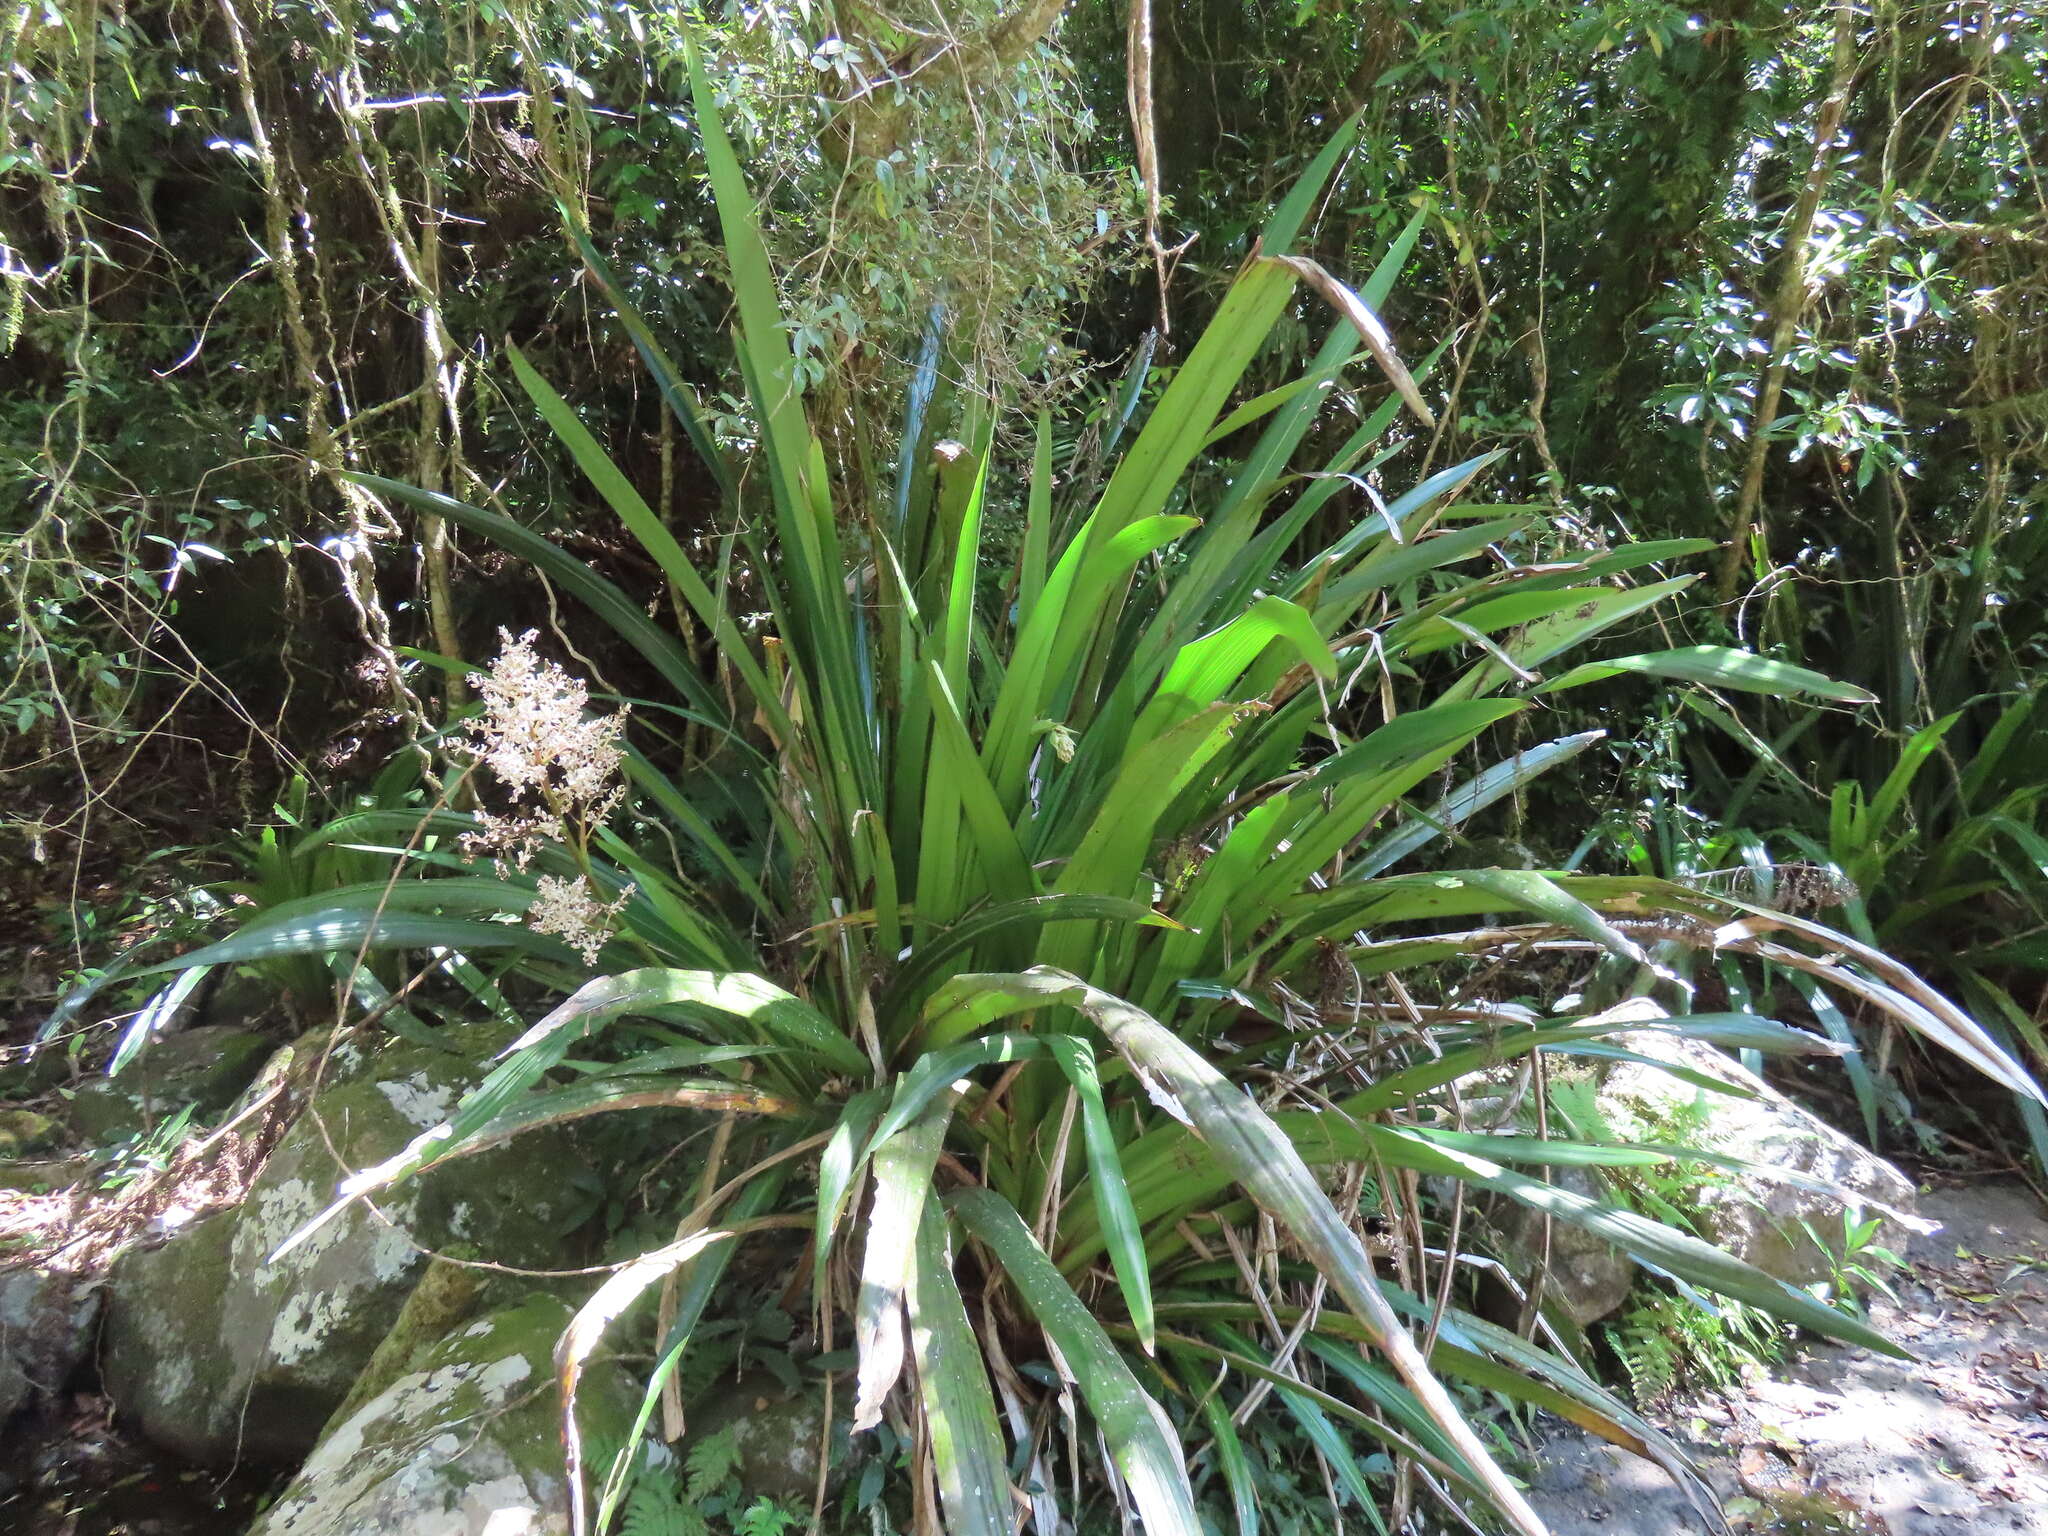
point(81, 1228)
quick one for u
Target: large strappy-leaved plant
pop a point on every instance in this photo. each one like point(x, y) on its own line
point(1025, 922)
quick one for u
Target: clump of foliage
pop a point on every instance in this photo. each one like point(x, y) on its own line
point(1618, 241)
point(922, 165)
point(1711, 269)
point(1665, 1342)
point(706, 1499)
point(277, 252)
point(1929, 844)
point(1037, 940)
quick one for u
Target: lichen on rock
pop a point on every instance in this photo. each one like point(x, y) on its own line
point(466, 1445)
point(222, 1353)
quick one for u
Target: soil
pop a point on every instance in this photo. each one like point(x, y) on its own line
point(1840, 1442)
point(78, 1472)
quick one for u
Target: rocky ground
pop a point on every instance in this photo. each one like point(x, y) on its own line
point(1951, 1443)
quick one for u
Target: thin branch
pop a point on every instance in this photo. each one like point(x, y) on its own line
point(1791, 303)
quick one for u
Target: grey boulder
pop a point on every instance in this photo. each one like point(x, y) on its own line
point(46, 1328)
point(204, 1068)
point(219, 1352)
point(1588, 1275)
point(1804, 1174)
point(468, 1444)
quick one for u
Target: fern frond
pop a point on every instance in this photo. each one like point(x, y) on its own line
point(711, 1464)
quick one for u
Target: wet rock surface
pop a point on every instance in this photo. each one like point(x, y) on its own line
point(1836, 1440)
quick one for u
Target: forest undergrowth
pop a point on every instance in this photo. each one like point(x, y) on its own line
point(1077, 672)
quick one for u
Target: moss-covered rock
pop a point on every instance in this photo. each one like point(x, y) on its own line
point(43, 1175)
point(777, 1435)
point(221, 1353)
point(23, 1133)
point(467, 1445)
point(161, 1355)
point(204, 1068)
point(28, 1072)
